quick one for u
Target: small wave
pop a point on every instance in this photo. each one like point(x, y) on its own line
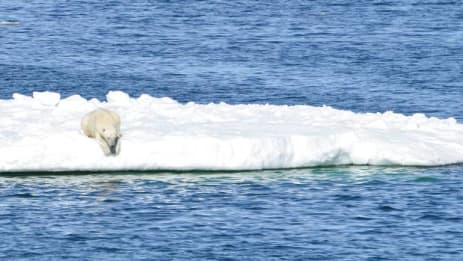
point(9, 23)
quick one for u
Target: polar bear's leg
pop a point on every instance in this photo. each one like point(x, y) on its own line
point(104, 146)
point(117, 148)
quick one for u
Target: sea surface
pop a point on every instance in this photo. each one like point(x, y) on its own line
point(363, 56)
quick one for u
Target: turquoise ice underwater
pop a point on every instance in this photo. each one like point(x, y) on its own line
point(362, 57)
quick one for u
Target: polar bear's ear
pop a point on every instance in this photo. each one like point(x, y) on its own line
point(103, 130)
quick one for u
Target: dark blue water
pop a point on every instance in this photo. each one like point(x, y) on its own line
point(372, 56)
point(351, 213)
point(365, 56)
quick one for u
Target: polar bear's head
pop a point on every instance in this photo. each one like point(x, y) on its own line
point(110, 135)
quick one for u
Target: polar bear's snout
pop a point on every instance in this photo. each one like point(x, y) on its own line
point(104, 126)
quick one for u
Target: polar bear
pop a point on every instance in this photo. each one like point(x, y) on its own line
point(104, 126)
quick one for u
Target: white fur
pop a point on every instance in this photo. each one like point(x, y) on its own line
point(104, 126)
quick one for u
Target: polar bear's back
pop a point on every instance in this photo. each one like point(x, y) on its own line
point(91, 121)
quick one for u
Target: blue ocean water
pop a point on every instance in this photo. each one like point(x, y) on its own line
point(366, 56)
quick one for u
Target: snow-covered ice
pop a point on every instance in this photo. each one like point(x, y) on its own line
point(42, 133)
